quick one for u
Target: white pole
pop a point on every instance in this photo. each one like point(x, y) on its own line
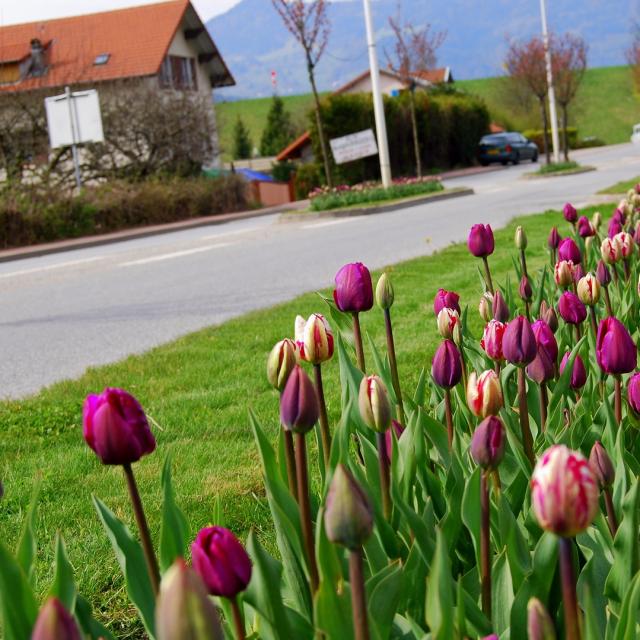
point(552, 93)
point(74, 137)
point(378, 106)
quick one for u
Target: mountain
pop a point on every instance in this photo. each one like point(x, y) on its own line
point(254, 42)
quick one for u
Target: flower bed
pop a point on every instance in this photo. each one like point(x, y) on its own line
point(323, 198)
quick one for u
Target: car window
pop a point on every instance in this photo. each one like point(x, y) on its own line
point(492, 139)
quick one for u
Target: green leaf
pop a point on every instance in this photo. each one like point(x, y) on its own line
point(501, 593)
point(17, 602)
point(384, 591)
point(471, 515)
point(174, 530)
point(89, 624)
point(627, 627)
point(440, 613)
point(64, 586)
point(27, 548)
point(132, 564)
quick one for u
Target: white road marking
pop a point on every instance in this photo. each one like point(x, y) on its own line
point(50, 267)
point(214, 236)
point(330, 223)
point(175, 254)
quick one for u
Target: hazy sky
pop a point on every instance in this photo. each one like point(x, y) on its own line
point(16, 11)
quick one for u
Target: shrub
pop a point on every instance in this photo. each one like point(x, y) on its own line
point(308, 177)
point(241, 140)
point(535, 135)
point(282, 171)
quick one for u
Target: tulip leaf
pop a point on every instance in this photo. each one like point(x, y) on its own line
point(17, 602)
point(502, 595)
point(64, 586)
point(419, 394)
point(513, 539)
point(174, 531)
point(27, 548)
point(89, 624)
point(628, 623)
point(561, 387)
point(383, 597)
point(439, 609)
point(132, 564)
point(471, 515)
point(350, 377)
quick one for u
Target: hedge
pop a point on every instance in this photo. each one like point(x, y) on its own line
point(30, 214)
point(449, 127)
point(535, 135)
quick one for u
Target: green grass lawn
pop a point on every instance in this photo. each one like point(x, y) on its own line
point(621, 187)
point(198, 390)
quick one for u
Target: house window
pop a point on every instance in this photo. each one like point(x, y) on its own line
point(101, 58)
point(178, 72)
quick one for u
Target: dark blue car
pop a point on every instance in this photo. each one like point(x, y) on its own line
point(506, 147)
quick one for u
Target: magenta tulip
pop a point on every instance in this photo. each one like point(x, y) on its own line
point(54, 622)
point(545, 338)
point(571, 308)
point(554, 238)
point(615, 227)
point(585, 228)
point(446, 367)
point(603, 274)
point(446, 299)
point(578, 373)
point(568, 250)
point(354, 290)
point(487, 443)
point(615, 350)
point(518, 342)
point(480, 240)
point(569, 212)
point(633, 393)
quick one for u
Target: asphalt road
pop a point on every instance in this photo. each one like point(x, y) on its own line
point(67, 311)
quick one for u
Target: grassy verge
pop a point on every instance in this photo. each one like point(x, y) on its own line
point(558, 167)
point(198, 390)
point(337, 199)
point(621, 187)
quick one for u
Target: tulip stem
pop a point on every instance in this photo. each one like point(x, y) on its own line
point(383, 464)
point(627, 271)
point(358, 595)
point(527, 440)
point(485, 545)
point(290, 461)
point(594, 321)
point(527, 310)
point(618, 399)
point(395, 379)
point(569, 598)
point(325, 434)
point(305, 509)
point(607, 301)
point(523, 261)
point(143, 528)
point(237, 619)
point(612, 521)
point(578, 332)
point(544, 402)
point(449, 417)
point(487, 274)
point(357, 337)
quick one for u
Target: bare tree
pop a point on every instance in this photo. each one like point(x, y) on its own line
point(525, 64)
point(569, 60)
point(414, 51)
point(633, 55)
point(308, 21)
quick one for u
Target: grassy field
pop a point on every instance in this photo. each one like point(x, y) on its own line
point(604, 90)
point(198, 390)
point(621, 187)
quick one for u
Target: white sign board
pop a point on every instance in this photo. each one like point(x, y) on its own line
point(74, 118)
point(354, 146)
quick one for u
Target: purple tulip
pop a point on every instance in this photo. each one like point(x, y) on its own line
point(554, 238)
point(571, 308)
point(480, 240)
point(633, 392)
point(585, 228)
point(568, 250)
point(578, 273)
point(615, 227)
point(299, 408)
point(54, 622)
point(518, 343)
point(543, 368)
point(603, 274)
point(487, 444)
point(525, 290)
point(578, 373)
point(545, 339)
point(615, 350)
point(601, 465)
point(221, 561)
point(499, 307)
point(354, 290)
point(569, 212)
point(446, 367)
point(548, 314)
point(396, 428)
point(116, 428)
point(636, 235)
point(446, 299)
point(619, 216)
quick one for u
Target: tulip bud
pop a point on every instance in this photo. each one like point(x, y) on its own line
point(564, 492)
point(456, 334)
point(545, 338)
point(499, 307)
point(633, 393)
point(596, 220)
point(548, 314)
point(314, 338)
point(636, 235)
point(492, 340)
point(588, 243)
point(578, 273)
point(520, 239)
point(626, 243)
point(54, 622)
point(354, 290)
point(299, 408)
point(384, 292)
point(396, 428)
point(585, 228)
point(589, 290)
point(525, 289)
point(539, 623)
point(568, 250)
point(348, 516)
point(518, 342)
point(601, 465)
point(484, 394)
point(569, 212)
point(571, 308)
point(184, 610)
point(578, 373)
point(610, 250)
point(602, 274)
point(563, 273)
point(446, 367)
point(480, 240)
point(374, 404)
point(616, 352)
point(448, 299)
point(447, 320)
point(554, 238)
point(221, 561)
point(542, 369)
point(282, 359)
point(487, 444)
point(116, 428)
point(485, 307)
point(615, 227)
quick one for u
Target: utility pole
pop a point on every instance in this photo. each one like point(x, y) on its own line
point(552, 93)
point(378, 106)
point(73, 121)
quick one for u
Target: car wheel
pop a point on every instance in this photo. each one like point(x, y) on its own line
point(534, 157)
point(504, 163)
point(484, 163)
point(516, 158)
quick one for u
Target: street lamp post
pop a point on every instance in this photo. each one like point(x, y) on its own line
point(378, 106)
point(552, 94)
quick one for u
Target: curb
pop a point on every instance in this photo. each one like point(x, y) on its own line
point(38, 250)
point(447, 194)
point(557, 174)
